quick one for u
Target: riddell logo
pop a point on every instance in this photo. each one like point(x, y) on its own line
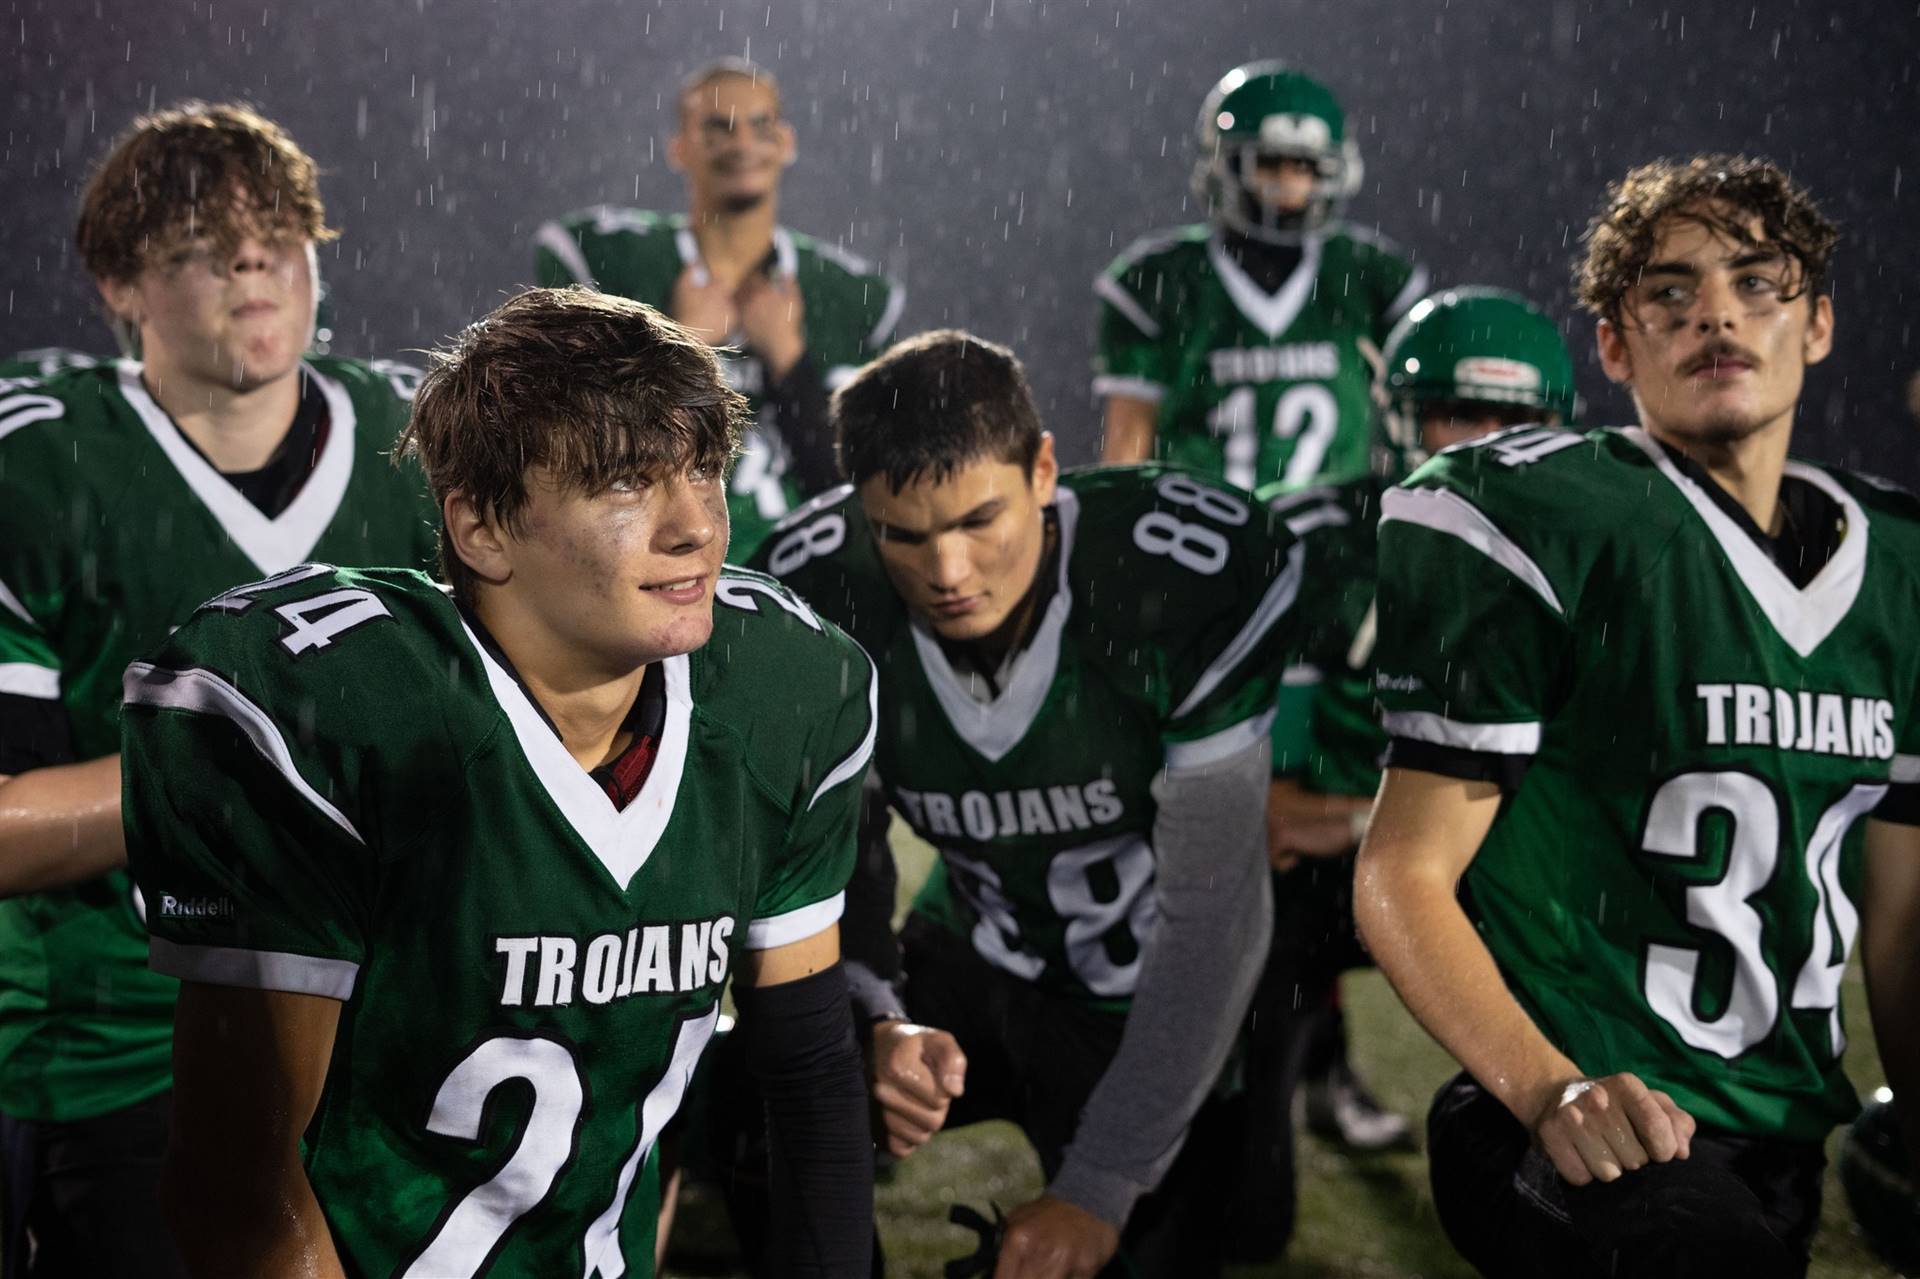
point(172, 907)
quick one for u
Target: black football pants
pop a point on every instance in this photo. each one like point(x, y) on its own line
point(1735, 1206)
point(82, 1198)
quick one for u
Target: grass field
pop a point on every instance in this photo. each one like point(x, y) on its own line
point(1366, 1218)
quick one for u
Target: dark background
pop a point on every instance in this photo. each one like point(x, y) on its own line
point(994, 153)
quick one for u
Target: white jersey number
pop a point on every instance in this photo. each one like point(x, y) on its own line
point(1192, 545)
point(1307, 414)
point(1724, 908)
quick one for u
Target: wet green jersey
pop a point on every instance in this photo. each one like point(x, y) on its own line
point(1159, 647)
point(850, 312)
point(334, 787)
point(113, 528)
point(1253, 386)
point(1335, 742)
point(1673, 888)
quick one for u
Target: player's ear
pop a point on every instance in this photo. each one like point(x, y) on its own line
point(1818, 342)
point(122, 299)
point(677, 144)
point(1046, 469)
point(1615, 359)
point(475, 539)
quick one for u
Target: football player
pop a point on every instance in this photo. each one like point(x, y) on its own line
point(1652, 697)
point(1461, 364)
point(454, 879)
point(799, 314)
point(1243, 346)
point(129, 492)
point(1077, 676)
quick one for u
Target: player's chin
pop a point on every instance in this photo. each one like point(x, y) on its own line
point(689, 627)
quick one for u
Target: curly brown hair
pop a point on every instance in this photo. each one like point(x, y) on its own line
point(222, 170)
point(596, 389)
point(1721, 192)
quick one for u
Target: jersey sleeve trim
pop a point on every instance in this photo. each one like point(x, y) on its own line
point(1500, 739)
point(1138, 388)
point(1225, 744)
point(857, 760)
point(201, 692)
point(25, 679)
point(796, 925)
point(1110, 291)
point(254, 969)
point(1273, 606)
point(1905, 770)
point(1445, 511)
point(557, 240)
point(1412, 291)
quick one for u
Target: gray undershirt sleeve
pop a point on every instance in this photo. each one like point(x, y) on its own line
point(1196, 979)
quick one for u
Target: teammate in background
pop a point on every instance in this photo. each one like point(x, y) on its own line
point(476, 916)
point(1461, 364)
point(802, 314)
point(1652, 694)
point(1244, 346)
point(129, 493)
point(1078, 677)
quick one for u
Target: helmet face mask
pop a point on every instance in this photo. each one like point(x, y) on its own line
point(1480, 354)
point(1264, 111)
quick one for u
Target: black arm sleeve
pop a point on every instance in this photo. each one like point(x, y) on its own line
point(1901, 805)
point(1504, 771)
point(800, 411)
point(799, 1046)
point(867, 942)
point(34, 733)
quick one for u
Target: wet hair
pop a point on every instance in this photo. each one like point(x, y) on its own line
point(932, 404)
point(722, 69)
point(1723, 193)
point(594, 389)
point(221, 170)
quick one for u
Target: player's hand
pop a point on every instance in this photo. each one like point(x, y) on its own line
point(702, 305)
point(771, 315)
point(1599, 1129)
point(1052, 1239)
point(915, 1073)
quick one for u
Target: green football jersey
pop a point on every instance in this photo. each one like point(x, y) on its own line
point(1672, 889)
point(334, 788)
point(1160, 647)
point(850, 312)
point(1327, 731)
point(113, 528)
point(1253, 386)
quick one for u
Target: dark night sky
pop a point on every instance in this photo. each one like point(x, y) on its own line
point(995, 153)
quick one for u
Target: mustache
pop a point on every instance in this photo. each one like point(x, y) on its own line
point(1720, 351)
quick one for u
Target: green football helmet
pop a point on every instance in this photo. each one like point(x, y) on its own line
point(1474, 346)
point(1266, 110)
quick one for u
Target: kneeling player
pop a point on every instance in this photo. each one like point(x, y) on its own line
point(1462, 364)
point(1077, 680)
point(453, 882)
point(1652, 696)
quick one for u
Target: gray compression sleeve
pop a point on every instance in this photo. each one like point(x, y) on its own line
point(1196, 980)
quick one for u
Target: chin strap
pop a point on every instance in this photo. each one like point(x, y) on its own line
point(982, 1259)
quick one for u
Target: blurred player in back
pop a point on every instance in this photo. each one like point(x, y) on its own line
point(1244, 346)
point(802, 314)
point(130, 492)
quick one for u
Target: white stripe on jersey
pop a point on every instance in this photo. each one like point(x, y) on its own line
point(556, 240)
point(1445, 511)
point(201, 692)
point(795, 925)
point(24, 679)
point(1224, 744)
point(1501, 739)
point(254, 969)
point(1108, 289)
point(1273, 606)
point(852, 764)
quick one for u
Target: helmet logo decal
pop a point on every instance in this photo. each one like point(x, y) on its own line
point(1285, 131)
point(1493, 371)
